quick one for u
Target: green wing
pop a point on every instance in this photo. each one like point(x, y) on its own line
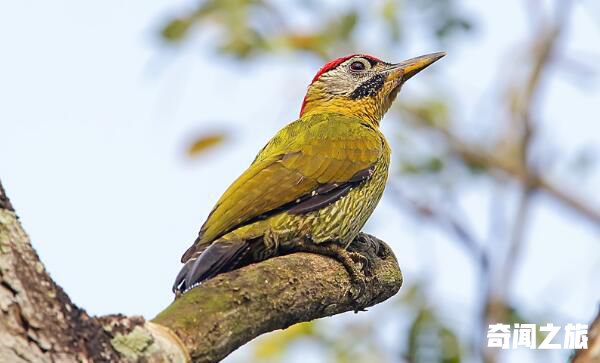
point(304, 156)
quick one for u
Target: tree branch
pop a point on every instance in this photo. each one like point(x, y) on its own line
point(237, 306)
point(39, 323)
point(480, 157)
point(4, 201)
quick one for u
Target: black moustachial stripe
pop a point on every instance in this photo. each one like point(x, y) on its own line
point(369, 87)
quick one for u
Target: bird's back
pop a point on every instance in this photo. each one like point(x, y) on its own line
point(308, 155)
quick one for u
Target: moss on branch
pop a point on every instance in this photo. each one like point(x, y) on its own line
point(217, 317)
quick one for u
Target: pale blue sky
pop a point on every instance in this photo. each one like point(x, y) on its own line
point(95, 116)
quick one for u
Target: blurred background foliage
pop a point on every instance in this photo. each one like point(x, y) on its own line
point(438, 158)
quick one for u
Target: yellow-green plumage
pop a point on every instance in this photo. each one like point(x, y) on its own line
point(318, 179)
point(318, 150)
point(321, 149)
point(315, 151)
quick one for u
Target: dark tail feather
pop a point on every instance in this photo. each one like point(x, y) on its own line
point(194, 251)
point(221, 256)
point(181, 276)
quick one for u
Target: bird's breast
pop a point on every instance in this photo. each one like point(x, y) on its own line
point(339, 221)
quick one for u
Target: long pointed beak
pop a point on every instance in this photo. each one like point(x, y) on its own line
point(410, 67)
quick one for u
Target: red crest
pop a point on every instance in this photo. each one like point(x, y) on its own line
point(331, 65)
point(336, 62)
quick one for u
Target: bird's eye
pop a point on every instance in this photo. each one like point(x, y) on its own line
point(357, 66)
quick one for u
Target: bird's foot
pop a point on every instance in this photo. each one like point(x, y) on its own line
point(363, 261)
point(353, 262)
point(370, 246)
point(356, 268)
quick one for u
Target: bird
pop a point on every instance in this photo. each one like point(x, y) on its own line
point(313, 186)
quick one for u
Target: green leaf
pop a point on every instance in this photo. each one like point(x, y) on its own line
point(390, 14)
point(514, 316)
point(347, 24)
point(429, 341)
point(176, 30)
point(431, 165)
point(432, 112)
point(451, 26)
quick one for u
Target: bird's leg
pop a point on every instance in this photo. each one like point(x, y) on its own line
point(353, 262)
point(363, 261)
point(367, 248)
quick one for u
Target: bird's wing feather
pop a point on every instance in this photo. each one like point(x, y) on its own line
point(301, 158)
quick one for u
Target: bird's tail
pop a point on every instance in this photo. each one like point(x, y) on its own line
point(220, 256)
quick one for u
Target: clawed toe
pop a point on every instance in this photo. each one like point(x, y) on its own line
point(362, 260)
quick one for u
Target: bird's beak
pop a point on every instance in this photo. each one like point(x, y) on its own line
point(404, 70)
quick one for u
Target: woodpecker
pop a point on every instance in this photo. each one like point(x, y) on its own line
point(313, 186)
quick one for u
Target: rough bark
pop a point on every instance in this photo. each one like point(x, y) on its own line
point(39, 323)
point(4, 201)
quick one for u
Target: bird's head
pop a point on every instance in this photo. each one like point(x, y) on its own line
point(361, 85)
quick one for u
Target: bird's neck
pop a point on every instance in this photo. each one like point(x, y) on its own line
point(366, 109)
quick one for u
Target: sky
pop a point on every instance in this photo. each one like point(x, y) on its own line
point(95, 115)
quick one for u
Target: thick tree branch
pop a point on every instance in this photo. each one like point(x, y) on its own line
point(39, 323)
point(4, 201)
point(235, 307)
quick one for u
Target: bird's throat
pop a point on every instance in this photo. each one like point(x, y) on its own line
point(367, 109)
